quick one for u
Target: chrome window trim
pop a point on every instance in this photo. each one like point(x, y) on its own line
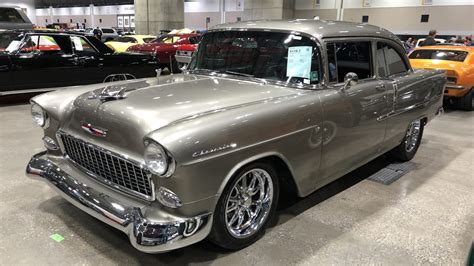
point(102, 180)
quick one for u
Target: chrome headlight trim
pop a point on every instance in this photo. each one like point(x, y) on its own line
point(157, 159)
point(40, 117)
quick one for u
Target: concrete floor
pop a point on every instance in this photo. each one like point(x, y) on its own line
point(427, 216)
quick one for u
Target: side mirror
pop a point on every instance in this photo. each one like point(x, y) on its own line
point(350, 79)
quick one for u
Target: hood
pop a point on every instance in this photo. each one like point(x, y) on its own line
point(150, 47)
point(145, 109)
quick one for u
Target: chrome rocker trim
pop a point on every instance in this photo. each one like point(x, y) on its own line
point(145, 234)
point(454, 87)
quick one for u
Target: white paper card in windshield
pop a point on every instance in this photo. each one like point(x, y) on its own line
point(299, 61)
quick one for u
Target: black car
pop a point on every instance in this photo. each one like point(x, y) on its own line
point(37, 60)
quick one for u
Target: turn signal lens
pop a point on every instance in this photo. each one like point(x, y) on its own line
point(168, 198)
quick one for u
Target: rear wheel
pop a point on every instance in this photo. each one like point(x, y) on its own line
point(245, 207)
point(409, 146)
point(465, 103)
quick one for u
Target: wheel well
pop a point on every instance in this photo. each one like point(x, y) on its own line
point(285, 177)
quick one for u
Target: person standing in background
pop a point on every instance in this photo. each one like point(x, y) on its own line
point(430, 40)
point(408, 44)
point(97, 33)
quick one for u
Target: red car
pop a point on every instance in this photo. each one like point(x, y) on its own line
point(184, 54)
point(165, 48)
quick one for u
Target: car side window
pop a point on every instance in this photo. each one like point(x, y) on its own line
point(82, 47)
point(47, 45)
point(194, 40)
point(389, 60)
point(345, 57)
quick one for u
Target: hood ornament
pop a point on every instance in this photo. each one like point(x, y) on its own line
point(95, 131)
point(109, 93)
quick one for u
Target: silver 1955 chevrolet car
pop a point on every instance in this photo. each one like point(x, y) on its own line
point(265, 106)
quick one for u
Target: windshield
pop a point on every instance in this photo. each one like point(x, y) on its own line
point(10, 41)
point(126, 39)
point(457, 56)
point(167, 39)
point(274, 56)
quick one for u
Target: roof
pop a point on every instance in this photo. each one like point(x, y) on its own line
point(45, 31)
point(469, 49)
point(318, 28)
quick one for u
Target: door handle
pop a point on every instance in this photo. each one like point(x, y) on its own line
point(380, 87)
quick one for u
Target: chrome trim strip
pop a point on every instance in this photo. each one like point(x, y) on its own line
point(115, 186)
point(406, 109)
point(454, 87)
point(151, 235)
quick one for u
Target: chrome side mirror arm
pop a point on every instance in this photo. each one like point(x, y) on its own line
point(350, 79)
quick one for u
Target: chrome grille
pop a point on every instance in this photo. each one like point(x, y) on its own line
point(107, 167)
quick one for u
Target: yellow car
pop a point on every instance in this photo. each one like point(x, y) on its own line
point(122, 43)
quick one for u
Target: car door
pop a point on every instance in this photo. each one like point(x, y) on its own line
point(5, 73)
point(44, 61)
point(404, 90)
point(352, 135)
point(89, 60)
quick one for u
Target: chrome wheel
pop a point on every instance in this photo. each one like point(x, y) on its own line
point(249, 202)
point(412, 136)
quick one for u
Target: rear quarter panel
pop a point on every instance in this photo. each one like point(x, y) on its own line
point(416, 95)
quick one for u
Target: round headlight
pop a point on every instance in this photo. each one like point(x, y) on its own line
point(39, 116)
point(156, 159)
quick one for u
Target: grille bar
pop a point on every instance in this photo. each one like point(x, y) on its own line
point(107, 167)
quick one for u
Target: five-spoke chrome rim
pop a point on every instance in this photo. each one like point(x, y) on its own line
point(249, 202)
point(412, 136)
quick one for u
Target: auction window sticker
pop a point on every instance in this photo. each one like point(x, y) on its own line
point(299, 63)
point(77, 43)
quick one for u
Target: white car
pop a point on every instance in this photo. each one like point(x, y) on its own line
point(438, 41)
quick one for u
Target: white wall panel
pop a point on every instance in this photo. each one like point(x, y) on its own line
point(404, 3)
point(201, 6)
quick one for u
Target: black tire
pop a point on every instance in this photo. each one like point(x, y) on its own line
point(404, 152)
point(220, 234)
point(465, 103)
point(175, 67)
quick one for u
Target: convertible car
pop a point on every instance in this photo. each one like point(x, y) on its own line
point(265, 107)
point(164, 48)
point(122, 43)
point(36, 60)
point(458, 62)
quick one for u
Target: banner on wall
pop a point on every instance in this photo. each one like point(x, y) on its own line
point(239, 5)
point(120, 21)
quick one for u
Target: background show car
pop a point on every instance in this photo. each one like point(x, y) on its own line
point(108, 34)
point(184, 54)
point(164, 47)
point(437, 40)
point(265, 107)
point(12, 18)
point(122, 43)
point(40, 60)
point(458, 61)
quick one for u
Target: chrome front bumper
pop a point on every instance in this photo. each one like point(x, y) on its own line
point(150, 235)
point(183, 59)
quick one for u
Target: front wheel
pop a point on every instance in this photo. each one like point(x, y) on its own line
point(245, 207)
point(409, 146)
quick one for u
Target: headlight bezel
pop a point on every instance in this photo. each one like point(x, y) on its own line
point(36, 109)
point(170, 163)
